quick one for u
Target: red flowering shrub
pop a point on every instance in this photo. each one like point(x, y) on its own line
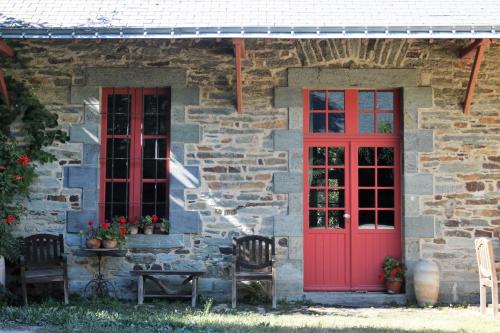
point(393, 269)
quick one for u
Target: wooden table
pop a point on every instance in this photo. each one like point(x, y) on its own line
point(152, 275)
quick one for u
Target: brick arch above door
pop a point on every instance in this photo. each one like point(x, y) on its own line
point(289, 228)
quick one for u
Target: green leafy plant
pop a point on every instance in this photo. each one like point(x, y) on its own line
point(393, 269)
point(165, 225)
point(112, 231)
point(148, 220)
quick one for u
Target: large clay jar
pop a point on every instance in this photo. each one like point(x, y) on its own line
point(426, 282)
point(2, 270)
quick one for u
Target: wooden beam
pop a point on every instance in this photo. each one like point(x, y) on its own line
point(471, 86)
point(6, 50)
point(239, 52)
point(467, 52)
point(3, 89)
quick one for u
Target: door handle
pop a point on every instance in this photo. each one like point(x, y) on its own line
point(347, 216)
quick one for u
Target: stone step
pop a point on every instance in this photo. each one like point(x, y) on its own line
point(355, 299)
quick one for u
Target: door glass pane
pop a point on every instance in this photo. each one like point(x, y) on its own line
point(317, 100)
point(335, 177)
point(317, 177)
point(386, 198)
point(117, 169)
point(336, 198)
point(153, 192)
point(149, 168)
point(335, 156)
point(385, 219)
point(316, 219)
point(317, 155)
point(366, 122)
point(385, 156)
point(385, 177)
point(336, 122)
point(366, 177)
point(335, 100)
point(118, 124)
point(155, 148)
point(366, 100)
point(385, 122)
point(366, 219)
point(336, 219)
point(155, 104)
point(366, 198)
point(317, 198)
point(385, 100)
point(118, 117)
point(317, 122)
point(117, 148)
point(366, 156)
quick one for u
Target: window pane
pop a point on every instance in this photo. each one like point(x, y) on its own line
point(114, 210)
point(366, 219)
point(119, 103)
point(117, 192)
point(366, 177)
point(366, 198)
point(316, 219)
point(154, 104)
point(366, 156)
point(386, 198)
point(317, 177)
point(336, 122)
point(336, 219)
point(385, 156)
point(161, 169)
point(148, 209)
point(117, 148)
point(118, 124)
point(149, 190)
point(148, 169)
point(335, 156)
point(385, 122)
point(150, 124)
point(335, 177)
point(317, 156)
point(117, 169)
point(317, 100)
point(335, 100)
point(118, 114)
point(385, 100)
point(385, 219)
point(336, 198)
point(366, 100)
point(317, 122)
point(385, 177)
point(317, 198)
point(366, 122)
point(155, 148)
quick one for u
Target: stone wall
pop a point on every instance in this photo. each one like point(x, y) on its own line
point(236, 155)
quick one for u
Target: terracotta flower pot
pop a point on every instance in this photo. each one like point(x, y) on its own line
point(134, 230)
point(93, 243)
point(148, 230)
point(109, 243)
point(394, 286)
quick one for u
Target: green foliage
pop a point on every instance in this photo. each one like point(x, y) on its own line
point(393, 268)
point(253, 293)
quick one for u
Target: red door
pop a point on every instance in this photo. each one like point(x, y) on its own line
point(351, 188)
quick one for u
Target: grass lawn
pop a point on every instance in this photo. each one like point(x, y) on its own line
point(114, 316)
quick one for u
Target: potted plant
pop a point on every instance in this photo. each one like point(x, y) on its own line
point(148, 223)
point(133, 227)
point(112, 234)
point(94, 240)
point(164, 225)
point(393, 274)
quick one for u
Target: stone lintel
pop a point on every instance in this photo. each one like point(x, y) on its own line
point(135, 77)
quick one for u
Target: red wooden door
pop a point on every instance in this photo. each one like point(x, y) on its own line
point(351, 190)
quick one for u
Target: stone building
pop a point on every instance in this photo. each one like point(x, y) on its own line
point(351, 142)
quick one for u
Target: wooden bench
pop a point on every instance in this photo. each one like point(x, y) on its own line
point(153, 275)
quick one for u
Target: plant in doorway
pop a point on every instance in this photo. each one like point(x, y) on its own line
point(393, 272)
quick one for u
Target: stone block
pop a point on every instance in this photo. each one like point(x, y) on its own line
point(295, 160)
point(415, 98)
point(86, 133)
point(419, 183)
point(186, 133)
point(411, 205)
point(155, 241)
point(215, 111)
point(420, 226)
point(176, 200)
point(77, 220)
point(90, 154)
point(285, 97)
point(182, 176)
point(419, 140)
point(185, 96)
point(183, 222)
point(295, 203)
point(82, 177)
point(410, 162)
point(287, 182)
point(296, 118)
point(135, 77)
point(85, 95)
point(296, 248)
point(89, 199)
point(178, 114)
point(287, 139)
point(177, 152)
point(288, 225)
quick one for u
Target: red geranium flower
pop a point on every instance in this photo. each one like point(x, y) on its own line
point(90, 222)
point(23, 160)
point(105, 226)
point(121, 220)
point(10, 219)
point(18, 177)
point(394, 272)
point(123, 231)
point(154, 218)
point(2, 168)
point(381, 277)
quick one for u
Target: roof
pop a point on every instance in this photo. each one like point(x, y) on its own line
point(249, 18)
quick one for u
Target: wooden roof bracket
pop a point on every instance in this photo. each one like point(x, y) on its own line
point(476, 50)
point(239, 53)
point(6, 51)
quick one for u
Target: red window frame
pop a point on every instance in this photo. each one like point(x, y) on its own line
point(136, 153)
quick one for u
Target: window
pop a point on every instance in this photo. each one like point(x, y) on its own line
point(134, 152)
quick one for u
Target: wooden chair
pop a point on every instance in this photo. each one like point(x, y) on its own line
point(487, 273)
point(43, 261)
point(253, 259)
